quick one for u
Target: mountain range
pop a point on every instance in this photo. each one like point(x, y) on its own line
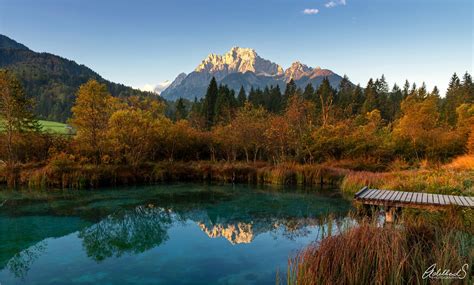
point(52, 80)
point(243, 67)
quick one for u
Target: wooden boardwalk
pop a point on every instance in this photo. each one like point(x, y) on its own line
point(410, 199)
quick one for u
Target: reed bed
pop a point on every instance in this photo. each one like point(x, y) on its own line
point(368, 253)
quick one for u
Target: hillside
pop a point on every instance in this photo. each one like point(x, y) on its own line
point(52, 80)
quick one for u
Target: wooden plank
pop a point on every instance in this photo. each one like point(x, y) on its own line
point(458, 201)
point(464, 201)
point(424, 198)
point(361, 191)
point(419, 198)
point(372, 193)
point(442, 200)
point(409, 197)
point(430, 198)
point(397, 196)
point(402, 198)
point(470, 200)
point(364, 194)
point(387, 194)
point(435, 199)
point(406, 197)
point(451, 200)
point(381, 194)
point(414, 199)
point(427, 198)
point(392, 195)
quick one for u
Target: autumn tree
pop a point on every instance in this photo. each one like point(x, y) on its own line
point(132, 134)
point(16, 116)
point(249, 128)
point(90, 116)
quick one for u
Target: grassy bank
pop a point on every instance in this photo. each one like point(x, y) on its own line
point(441, 181)
point(366, 253)
point(61, 173)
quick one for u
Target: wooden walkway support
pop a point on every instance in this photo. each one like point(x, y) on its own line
point(391, 200)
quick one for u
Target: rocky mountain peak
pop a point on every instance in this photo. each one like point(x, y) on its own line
point(240, 60)
point(297, 70)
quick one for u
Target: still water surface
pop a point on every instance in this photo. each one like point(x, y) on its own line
point(165, 234)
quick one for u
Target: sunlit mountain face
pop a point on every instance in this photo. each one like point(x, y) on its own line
point(243, 67)
point(228, 232)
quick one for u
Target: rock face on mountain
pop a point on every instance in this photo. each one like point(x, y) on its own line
point(244, 67)
point(238, 60)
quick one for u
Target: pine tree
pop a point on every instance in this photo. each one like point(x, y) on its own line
point(344, 94)
point(371, 100)
point(209, 107)
point(242, 97)
point(452, 100)
point(308, 93)
point(357, 100)
point(406, 89)
point(290, 90)
point(181, 112)
point(325, 95)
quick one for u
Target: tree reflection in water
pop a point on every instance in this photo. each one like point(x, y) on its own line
point(132, 231)
point(19, 265)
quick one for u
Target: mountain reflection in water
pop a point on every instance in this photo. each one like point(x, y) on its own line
point(123, 226)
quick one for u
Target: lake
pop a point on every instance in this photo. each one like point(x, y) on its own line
point(162, 234)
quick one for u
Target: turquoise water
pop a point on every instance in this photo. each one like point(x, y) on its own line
point(165, 234)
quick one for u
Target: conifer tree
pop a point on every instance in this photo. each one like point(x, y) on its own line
point(241, 97)
point(209, 106)
point(181, 112)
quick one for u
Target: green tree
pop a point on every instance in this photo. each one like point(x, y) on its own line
point(325, 95)
point(241, 97)
point(181, 112)
point(209, 105)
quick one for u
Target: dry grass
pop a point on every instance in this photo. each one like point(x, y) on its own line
point(465, 162)
point(442, 181)
point(397, 254)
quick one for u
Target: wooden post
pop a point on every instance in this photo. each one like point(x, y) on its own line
point(390, 214)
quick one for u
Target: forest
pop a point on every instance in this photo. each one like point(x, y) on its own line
point(375, 128)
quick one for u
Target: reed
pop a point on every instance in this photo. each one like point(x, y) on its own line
point(440, 181)
point(367, 253)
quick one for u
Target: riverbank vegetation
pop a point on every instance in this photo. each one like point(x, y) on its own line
point(350, 136)
point(401, 253)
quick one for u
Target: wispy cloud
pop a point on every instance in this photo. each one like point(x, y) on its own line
point(310, 11)
point(334, 3)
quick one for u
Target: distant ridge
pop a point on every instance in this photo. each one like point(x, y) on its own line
point(52, 80)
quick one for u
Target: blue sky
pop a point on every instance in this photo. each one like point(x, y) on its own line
point(146, 42)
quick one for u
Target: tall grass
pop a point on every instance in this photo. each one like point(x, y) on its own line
point(398, 254)
point(441, 181)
